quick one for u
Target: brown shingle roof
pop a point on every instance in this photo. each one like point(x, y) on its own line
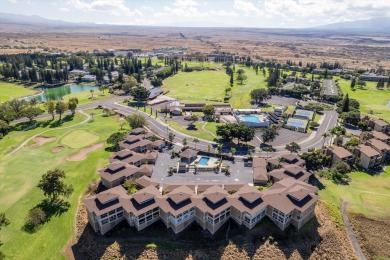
point(340, 152)
point(145, 194)
point(138, 131)
point(167, 187)
point(188, 153)
point(277, 195)
point(215, 194)
point(379, 135)
point(368, 151)
point(290, 171)
point(380, 122)
point(127, 156)
point(379, 145)
point(233, 186)
point(120, 170)
point(135, 145)
point(259, 169)
point(180, 194)
point(145, 181)
point(203, 187)
point(105, 201)
point(249, 193)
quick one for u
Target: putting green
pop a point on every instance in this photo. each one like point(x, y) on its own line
point(79, 139)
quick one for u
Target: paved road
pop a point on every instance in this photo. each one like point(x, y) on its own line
point(315, 140)
point(351, 233)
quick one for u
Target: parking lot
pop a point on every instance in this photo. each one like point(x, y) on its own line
point(239, 173)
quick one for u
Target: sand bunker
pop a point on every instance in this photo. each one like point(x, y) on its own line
point(41, 140)
point(82, 154)
point(57, 149)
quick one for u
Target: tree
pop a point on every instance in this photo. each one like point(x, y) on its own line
point(136, 120)
point(140, 93)
point(129, 84)
point(114, 140)
point(345, 104)
point(36, 217)
point(361, 83)
point(208, 110)
point(337, 131)
point(61, 107)
point(196, 140)
point(280, 160)
point(353, 82)
point(72, 106)
point(269, 134)
point(314, 124)
point(341, 167)
point(184, 141)
point(293, 147)
point(50, 108)
point(241, 77)
point(4, 127)
point(31, 112)
point(156, 82)
point(324, 136)
point(231, 79)
point(171, 137)
point(3, 223)
point(92, 91)
point(233, 151)
point(258, 95)
point(193, 119)
point(315, 160)
point(53, 186)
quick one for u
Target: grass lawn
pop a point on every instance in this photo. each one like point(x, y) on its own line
point(366, 194)
point(209, 87)
point(370, 98)
point(85, 97)
point(9, 91)
point(20, 174)
point(198, 133)
point(79, 139)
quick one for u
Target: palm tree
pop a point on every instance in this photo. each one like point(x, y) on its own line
point(324, 136)
point(92, 93)
point(184, 142)
point(219, 147)
point(332, 133)
point(196, 140)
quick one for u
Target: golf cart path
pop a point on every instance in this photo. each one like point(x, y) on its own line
point(351, 233)
point(61, 128)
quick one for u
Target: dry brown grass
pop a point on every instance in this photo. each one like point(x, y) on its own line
point(350, 50)
point(373, 235)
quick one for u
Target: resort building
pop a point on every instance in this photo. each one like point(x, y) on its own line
point(283, 160)
point(117, 173)
point(177, 209)
point(373, 77)
point(380, 125)
point(247, 206)
point(212, 208)
point(329, 89)
point(369, 157)
point(141, 208)
point(375, 134)
point(88, 78)
point(288, 201)
point(381, 147)
point(259, 171)
point(290, 171)
point(104, 210)
point(340, 154)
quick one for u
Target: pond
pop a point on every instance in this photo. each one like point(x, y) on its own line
point(57, 93)
point(388, 103)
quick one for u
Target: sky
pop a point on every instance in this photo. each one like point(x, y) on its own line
point(209, 13)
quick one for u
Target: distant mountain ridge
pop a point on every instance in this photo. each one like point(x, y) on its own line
point(380, 24)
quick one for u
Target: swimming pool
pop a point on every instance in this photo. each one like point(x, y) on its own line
point(251, 119)
point(204, 161)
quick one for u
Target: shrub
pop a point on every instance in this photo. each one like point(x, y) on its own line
point(36, 217)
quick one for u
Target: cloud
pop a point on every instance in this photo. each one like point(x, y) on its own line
point(64, 9)
point(247, 7)
point(114, 7)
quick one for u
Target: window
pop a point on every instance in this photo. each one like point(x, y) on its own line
point(120, 214)
point(111, 212)
point(104, 221)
